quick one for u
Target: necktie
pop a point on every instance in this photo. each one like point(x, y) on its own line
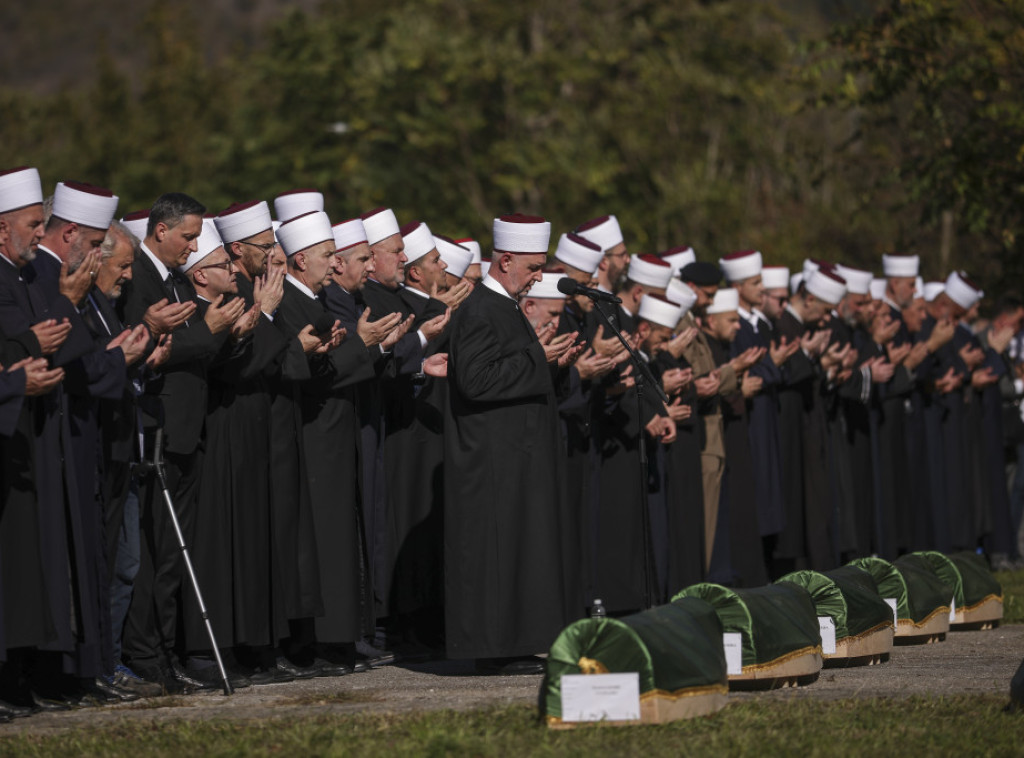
point(169, 287)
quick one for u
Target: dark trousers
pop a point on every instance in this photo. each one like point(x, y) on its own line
point(150, 631)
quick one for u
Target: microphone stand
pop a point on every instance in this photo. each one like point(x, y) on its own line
point(642, 375)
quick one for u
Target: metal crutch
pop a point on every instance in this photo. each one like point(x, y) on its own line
point(158, 466)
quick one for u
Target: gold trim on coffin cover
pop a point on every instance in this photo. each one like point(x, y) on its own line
point(917, 626)
point(712, 697)
point(755, 667)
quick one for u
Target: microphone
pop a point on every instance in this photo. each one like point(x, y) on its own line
point(569, 286)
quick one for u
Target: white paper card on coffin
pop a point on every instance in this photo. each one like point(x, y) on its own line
point(601, 697)
point(952, 611)
point(895, 613)
point(733, 644)
point(827, 628)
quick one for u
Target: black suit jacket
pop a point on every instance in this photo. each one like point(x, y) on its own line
point(178, 394)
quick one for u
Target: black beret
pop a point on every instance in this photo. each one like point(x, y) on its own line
point(701, 273)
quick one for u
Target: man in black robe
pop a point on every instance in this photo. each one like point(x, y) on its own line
point(504, 590)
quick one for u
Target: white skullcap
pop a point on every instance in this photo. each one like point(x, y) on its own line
point(962, 290)
point(473, 246)
point(649, 270)
point(547, 287)
point(603, 231)
point(878, 288)
point(243, 220)
point(775, 277)
point(680, 293)
point(795, 281)
point(19, 188)
point(485, 266)
point(208, 241)
point(348, 234)
point(918, 287)
point(522, 234)
point(827, 287)
point(137, 223)
point(579, 252)
point(454, 255)
point(84, 204)
point(661, 311)
point(742, 265)
point(304, 231)
point(858, 282)
point(418, 240)
point(380, 223)
point(933, 289)
point(294, 203)
point(726, 300)
point(678, 257)
point(900, 265)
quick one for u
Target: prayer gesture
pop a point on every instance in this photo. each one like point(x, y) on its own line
point(677, 411)
point(163, 317)
point(454, 296)
point(436, 365)
point(984, 378)
point(673, 380)
point(999, 339)
point(332, 340)
point(132, 343)
point(783, 350)
point(220, 315)
point(555, 347)
point(607, 346)
point(681, 341)
point(972, 356)
point(884, 328)
point(747, 358)
point(590, 365)
point(898, 353)
point(835, 355)
point(949, 382)
point(161, 352)
point(881, 369)
point(707, 386)
point(51, 334)
point(375, 332)
point(433, 328)
point(751, 385)
point(663, 428)
point(74, 285)
point(269, 289)
point(570, 356)
point(814, 343)
point(397, 333)
point(942, 333)
point(39, 377)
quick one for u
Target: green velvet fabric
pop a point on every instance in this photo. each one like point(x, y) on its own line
point(977, 582)
point(611, 643)
point(888, 580)
point(773, 621)
point(848, 595)
point(947, 571)
point(926, 592)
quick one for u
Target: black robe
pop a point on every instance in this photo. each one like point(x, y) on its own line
point(330, 449)
point(504, 589)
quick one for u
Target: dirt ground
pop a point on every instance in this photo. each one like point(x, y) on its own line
point(966, 663)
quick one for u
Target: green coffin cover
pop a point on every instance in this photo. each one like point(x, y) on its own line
point(775, 621)
point(977, 582)
point(684, 640)
point(849, 597)
point(593, 646)
point(889, 581)
point(926, 592)
point(946, 570)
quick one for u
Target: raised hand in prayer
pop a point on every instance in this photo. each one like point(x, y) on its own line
point(375, 332)
point(555, 347)
point(436, 365)
point(949, 382)
point(898, 353)
point(942, 333)
point(814, 343)
point(673, 380)
point(881, 369)
point(433, 328)
point(681, 341)
point(246, 323)
point(999, 339)
point(983, 378)
point(972, 356)
point(39, 377)
point(163, 317)
point(161, 352)
point(51, 334)
point(332, 340)
point(454, 296)
point(591, 365)
point(608, 346)
point(751, 385)
point(662, 427)
point(132, 343)
point(884, 328)
point(707, 386)
point(783, 350)
point(220, 315)
point(74, 285)
point(269, 289)
point(570, 356)
point(677, 411)
point(747, 358)
point(397, 333)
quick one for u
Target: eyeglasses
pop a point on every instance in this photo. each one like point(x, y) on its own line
point(266, 247)
point(226, 265)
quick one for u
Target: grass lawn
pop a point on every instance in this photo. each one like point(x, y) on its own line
point(1013, 595)
point(915, 726)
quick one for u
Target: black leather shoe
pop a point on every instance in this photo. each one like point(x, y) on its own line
point(295, 670)
point(328, 668)
point(190, 682)
point(15, 711)
point(5, 716)
point(269, 675)
point(111, 690)
point(520, 666)
point(48, 705)
point(359, 664)
point(375, 657)
point(210, 675)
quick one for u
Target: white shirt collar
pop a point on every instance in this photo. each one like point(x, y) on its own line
point(494, 286)
point(160, 267)
point(758, 314)
point(792, 311)
point(48, 251)
point(300, 286)
point(890, 303)
point(415, 291)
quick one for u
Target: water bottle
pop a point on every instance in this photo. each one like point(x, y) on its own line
point(597, 610)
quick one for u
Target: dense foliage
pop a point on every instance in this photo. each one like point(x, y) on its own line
point(720, 123)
